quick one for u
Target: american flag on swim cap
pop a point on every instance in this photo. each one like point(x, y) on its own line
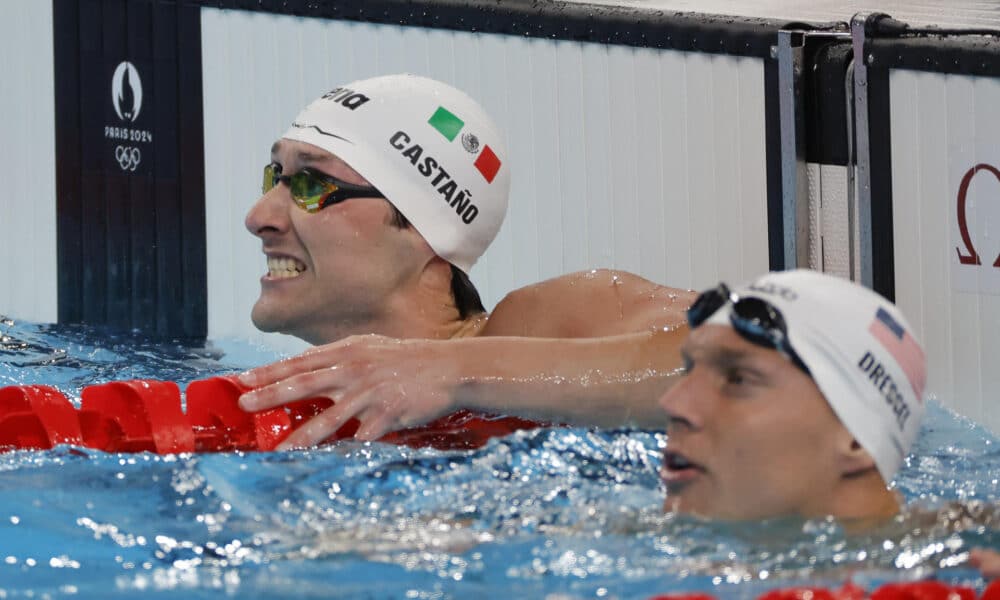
point(901, 345)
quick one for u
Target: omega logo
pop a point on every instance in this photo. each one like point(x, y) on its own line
point(971, 257)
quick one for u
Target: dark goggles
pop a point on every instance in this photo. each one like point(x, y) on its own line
point(756, 320)
point(313, 191)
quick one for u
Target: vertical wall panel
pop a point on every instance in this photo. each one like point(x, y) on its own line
point(986, 98)
point(675, 164)
point(596, 168)
point(526, 248)
point(646, 160)
point(649, 170)
point(942, 126)
point(725, 156)
point(625, 133)
point(27, 130)
point(700, 146)
point(546, 100)
point(570, 146)
point(750, 194)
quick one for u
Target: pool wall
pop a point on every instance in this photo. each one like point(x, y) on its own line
point(27, 151)
point(944, 113)
point(686, 148)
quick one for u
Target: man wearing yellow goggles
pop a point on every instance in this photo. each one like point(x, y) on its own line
point(377, 202)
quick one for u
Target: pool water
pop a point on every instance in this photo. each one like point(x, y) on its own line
point(558, 513)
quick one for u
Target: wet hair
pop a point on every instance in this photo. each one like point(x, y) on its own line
point(462, 290)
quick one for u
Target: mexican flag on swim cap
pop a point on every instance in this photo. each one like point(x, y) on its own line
point(432, 150)
point(861, 352)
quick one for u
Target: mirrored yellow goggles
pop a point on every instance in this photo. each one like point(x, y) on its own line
point(313, 191)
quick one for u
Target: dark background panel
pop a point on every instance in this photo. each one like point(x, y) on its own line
point(825, 102)
point(123, 234)
point(140, 274)
point(880, 143)
point(772, 145)
point(90, 104)
point(191, 173)
point(69, 211)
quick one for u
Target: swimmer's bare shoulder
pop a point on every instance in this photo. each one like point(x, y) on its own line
point(596, 303)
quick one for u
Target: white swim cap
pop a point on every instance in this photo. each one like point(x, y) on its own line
point(432, 150)
point(861, 353)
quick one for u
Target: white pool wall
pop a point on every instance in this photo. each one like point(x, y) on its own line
point(942, 126)
point(28, 283)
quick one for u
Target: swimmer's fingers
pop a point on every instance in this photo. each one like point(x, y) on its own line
point(311, 360)
point(323, 425)
point(326, 382)
point(283, 369)
point(392, 407)
point(383, 417)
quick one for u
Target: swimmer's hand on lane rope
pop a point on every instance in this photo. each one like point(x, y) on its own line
point(385, 383)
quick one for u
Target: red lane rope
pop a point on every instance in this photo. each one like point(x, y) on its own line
point(916, 590)
point(146, 416)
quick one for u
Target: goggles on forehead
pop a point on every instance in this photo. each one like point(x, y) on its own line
point(756, 320)
point(313, 191)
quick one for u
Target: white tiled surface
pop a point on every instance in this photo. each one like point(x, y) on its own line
point(942, 126)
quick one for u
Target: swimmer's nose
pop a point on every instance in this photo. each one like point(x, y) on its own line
point(269, 214)
point(680, 404)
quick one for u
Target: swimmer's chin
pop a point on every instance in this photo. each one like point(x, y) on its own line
point(264, 320)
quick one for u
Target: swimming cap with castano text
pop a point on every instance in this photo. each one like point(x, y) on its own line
point(861, 352)
point(429, 148)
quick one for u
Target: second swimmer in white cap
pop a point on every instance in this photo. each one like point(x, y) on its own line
point(803, 394)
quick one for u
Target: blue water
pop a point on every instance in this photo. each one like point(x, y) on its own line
point(559, 513)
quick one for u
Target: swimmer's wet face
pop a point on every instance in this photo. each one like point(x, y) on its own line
point(338, 265)
point(749, 433)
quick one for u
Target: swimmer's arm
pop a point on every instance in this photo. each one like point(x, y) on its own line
point(589, 304)
point(390, 384)
point(609, 382)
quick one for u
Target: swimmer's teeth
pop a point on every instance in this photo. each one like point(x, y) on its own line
point(284, 267)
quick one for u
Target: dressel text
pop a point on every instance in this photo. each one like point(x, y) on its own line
point(884, 383)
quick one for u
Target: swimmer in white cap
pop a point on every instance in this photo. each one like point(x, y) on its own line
point(803, 394)
point(377, 202)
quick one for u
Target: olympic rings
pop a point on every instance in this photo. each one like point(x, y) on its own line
point(128, 157)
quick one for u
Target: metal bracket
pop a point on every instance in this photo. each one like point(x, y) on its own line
point(862, 152)
point(794, 177)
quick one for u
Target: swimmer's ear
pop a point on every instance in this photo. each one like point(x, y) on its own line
point(853, 458)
